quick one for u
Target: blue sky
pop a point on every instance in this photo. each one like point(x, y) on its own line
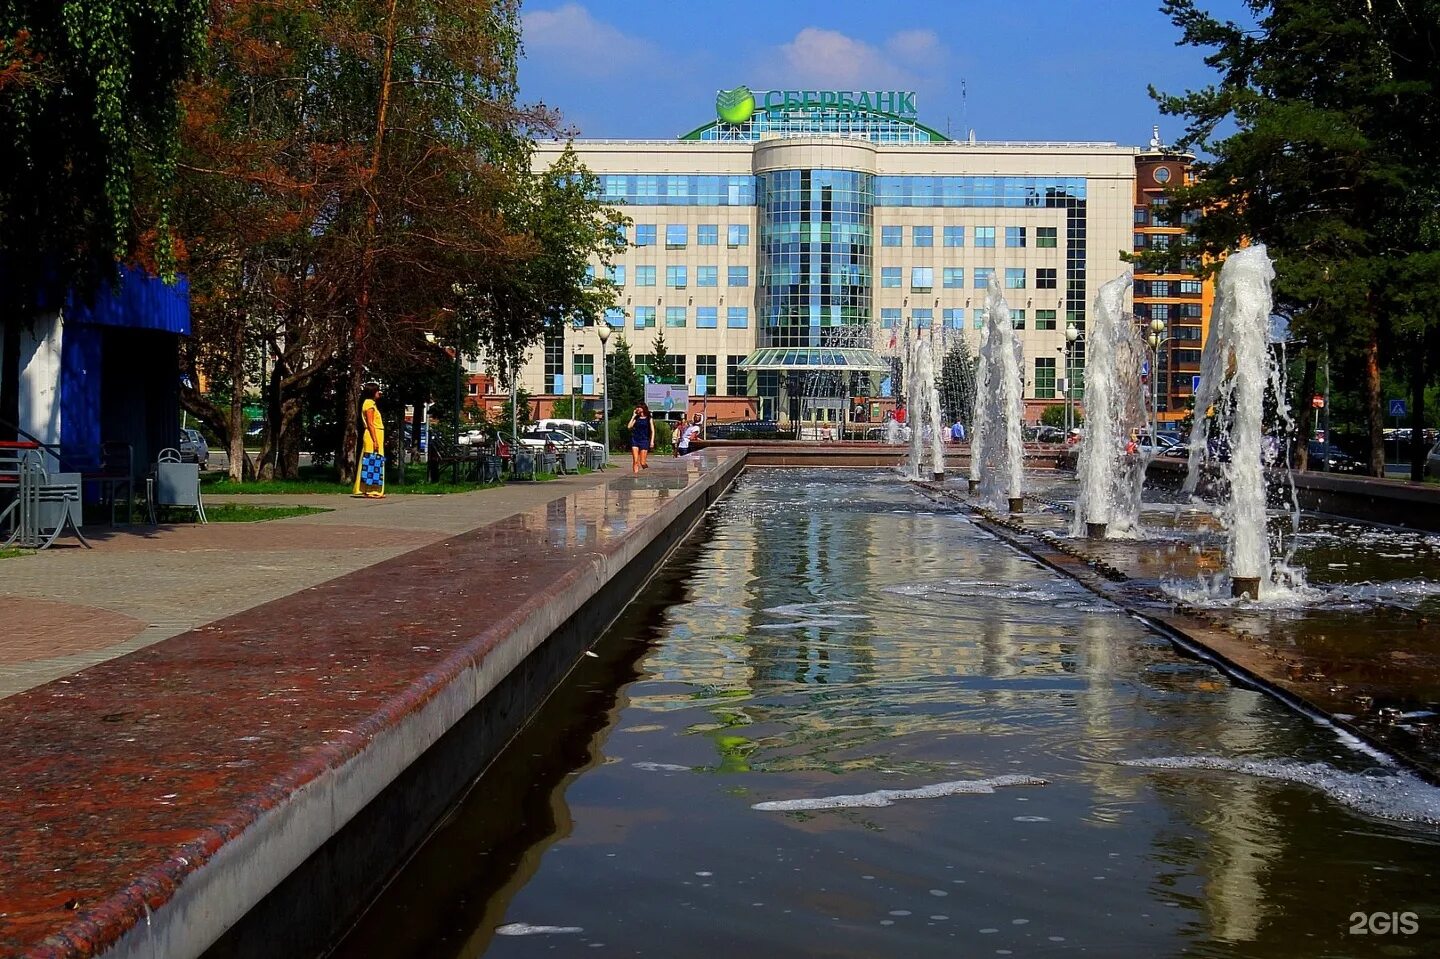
point(1031, 69)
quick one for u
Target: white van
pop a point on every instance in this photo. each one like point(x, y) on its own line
point(577, 428)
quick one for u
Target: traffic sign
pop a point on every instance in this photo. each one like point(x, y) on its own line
point(1194, 384)
point(1397, 407)
point(1145, 368)
point(1317, 401)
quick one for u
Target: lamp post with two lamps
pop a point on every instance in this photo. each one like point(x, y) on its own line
point(1157, 339)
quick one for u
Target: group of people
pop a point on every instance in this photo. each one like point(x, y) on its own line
point(642, 436)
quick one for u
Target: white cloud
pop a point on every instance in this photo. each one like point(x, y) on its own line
point(829, 58)
point(569, 38)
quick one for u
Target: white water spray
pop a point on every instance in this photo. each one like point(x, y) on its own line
point(925, 417)
point(998, 451)
point(1235, 370)
point(1110, 479)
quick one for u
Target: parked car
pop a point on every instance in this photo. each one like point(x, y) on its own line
point(1432, 462)
point(255, 429)
point(193, 448)
point(1332, 457)
point(557, 438)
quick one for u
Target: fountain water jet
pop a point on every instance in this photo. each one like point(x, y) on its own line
point(1235, 370)
point(997, 453)
point(925, 416)
point(1110, 480)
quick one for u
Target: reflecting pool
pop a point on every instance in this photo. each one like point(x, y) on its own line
point(846, 722)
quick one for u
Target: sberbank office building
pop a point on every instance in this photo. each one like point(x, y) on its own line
point(786, 247)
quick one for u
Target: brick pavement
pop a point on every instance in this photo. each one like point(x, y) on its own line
point(69, 608)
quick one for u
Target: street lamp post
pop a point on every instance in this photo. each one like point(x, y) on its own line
point(603, 331)
point(1157, 339)
point(1072, 336)
point(455, 423)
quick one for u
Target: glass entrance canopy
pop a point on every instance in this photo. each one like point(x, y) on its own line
point(815, 359)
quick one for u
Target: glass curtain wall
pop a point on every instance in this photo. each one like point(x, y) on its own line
point(816, 255)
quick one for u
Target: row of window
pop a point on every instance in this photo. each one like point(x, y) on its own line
point(1164, 288)
point(921, 277)
point(953, 278)
point(677, 317)
point(1167, 311)
point(954, 318)
point(695, 189)
point(678, 277)
point(1046, 237)
point(677, 235)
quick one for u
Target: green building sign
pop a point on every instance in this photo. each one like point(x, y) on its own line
point(739, 105)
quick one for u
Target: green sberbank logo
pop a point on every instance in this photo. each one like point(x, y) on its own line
point(735, 106)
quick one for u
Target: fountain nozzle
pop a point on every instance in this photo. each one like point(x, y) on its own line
point(1096, 530)
point(938, 477)
point(1017, 504)
point(974, 485)
point(1245, 587)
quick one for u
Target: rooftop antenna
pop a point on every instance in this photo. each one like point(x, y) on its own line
point(1156, 144)
point(964, 107)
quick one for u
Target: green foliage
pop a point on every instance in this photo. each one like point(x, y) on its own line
point(626, 388)
point(523, 412)
point(1053, 415)
point(620, 433)
point(957, 382)
point(661, 366)
point(570, 408)
point(88, 137)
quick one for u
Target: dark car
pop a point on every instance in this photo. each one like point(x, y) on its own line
point(1330, 457)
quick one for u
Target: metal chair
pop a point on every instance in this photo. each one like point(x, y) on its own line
point(116, 473)
point(174, 485)
point(46, 505)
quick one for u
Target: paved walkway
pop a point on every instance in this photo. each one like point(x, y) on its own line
point(68, 607)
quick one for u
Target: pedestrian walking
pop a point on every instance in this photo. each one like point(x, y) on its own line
point(689, 432)
point(642, 438)
point(370, 475)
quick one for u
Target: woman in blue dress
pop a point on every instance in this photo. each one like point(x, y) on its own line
point(642, 437)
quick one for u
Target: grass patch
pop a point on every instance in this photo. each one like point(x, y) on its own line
point(321, 480)
point(7, 553)
point(247, 513)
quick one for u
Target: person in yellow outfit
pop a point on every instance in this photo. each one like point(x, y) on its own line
point(370, 474)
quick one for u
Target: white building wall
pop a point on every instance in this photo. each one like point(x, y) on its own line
point(39, 379)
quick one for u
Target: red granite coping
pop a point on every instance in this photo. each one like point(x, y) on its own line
point(120, 782)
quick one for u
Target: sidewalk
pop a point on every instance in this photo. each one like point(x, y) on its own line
point(68, 607)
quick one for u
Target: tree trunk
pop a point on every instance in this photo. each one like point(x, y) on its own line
point(350, 446)
point(1418, 381)
point(236, 445)
point(1374, 414)
point(1305, 417)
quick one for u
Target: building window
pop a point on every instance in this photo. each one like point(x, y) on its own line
point(1044, 319)
point(1140, 241)
point(589, 274)
point(1017, 319)
point(1045, 237)
point(615, 316)
point(1015, 237)
point(1045, 279)
point(644, 317)
point(555, 360)
point(705, 374)
point(707, 276)
point(953, 236)
point(735, 378)
point(644, 276)
point(707, 234)
point(644, 234)
point(889, 318)
point(1159, 287)
point(982, 276)
point(675, 317)
point(1044, 377)
point(954, 319)
point(1142, 216)
point(978, 318)
point(739, 276)
point(675, 277)
point(1191, 287)
point(953, 277)
point(616, 274)
point(737, 234)
point(1014, 278)
point(1186, 333)
point(922, 278)
point(677, 235)
point(922, 236)
point(583, 373)
point(1189, 311)
point(984, 236)
point(642, 364)
point(706, 317)
point(922, 318)
point(1160, 241)
point(891, 235)
point(737, 318)
point(1160, 311)
point(890, 277)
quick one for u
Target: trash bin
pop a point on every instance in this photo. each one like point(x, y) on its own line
point(545, 463)
point(572, 461)
point(492, 467)
point(523, 465)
